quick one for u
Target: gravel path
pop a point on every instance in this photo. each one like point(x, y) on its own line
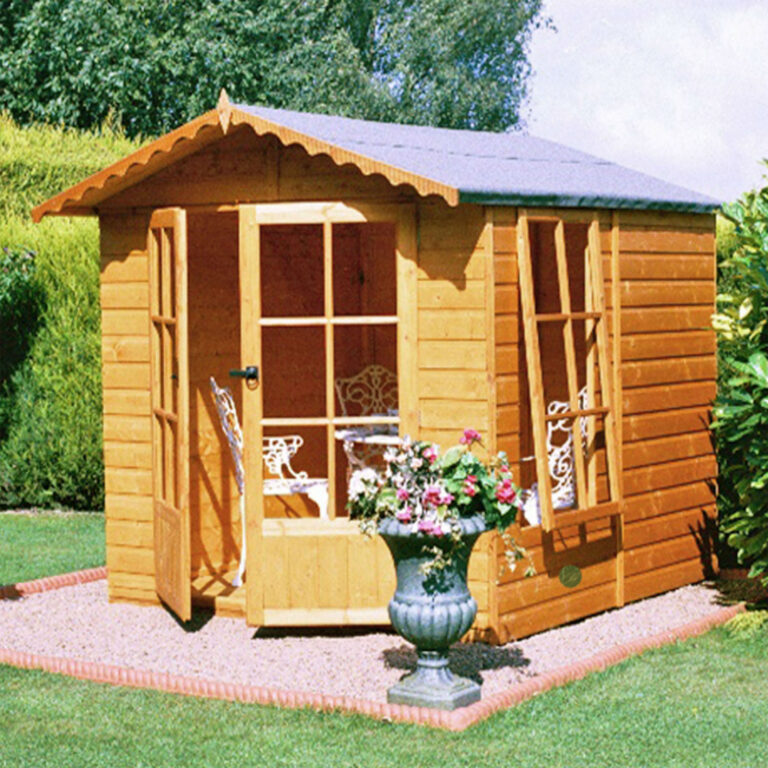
point(78, 622)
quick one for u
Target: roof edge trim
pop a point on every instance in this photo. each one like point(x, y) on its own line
point(69, 201)
point(314, 146)
point(71, 198)
point(575, 201)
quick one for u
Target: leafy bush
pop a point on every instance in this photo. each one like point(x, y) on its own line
point(37, 162)
point(19, 310)
point(50, 397)
point(741, 409)
point(51, 451)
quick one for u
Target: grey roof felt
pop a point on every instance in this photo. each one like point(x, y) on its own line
point(495, 168)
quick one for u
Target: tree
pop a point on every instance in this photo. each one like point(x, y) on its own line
point(741, 408)
point(157, 63)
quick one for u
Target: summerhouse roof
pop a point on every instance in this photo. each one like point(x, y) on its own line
point(458, 165)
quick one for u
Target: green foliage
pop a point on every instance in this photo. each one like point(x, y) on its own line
point(741, 411)
point(50, 401)
point(157, 63)
point(19, 312)
point(49, 543)
point(37, 162)
point(51, 454)
point(748, 624)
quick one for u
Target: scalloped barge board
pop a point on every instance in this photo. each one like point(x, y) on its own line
point(457, 720)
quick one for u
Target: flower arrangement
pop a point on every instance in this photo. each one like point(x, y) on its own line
point(431, 493)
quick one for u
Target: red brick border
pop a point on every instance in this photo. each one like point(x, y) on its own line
point(15, 591)
point(457, 720)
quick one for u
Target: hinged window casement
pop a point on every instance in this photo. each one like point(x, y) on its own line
point(583, 370)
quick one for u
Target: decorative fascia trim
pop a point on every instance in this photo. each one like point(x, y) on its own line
point(82, 198)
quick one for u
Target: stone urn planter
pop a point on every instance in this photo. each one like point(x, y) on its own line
point(432, 612)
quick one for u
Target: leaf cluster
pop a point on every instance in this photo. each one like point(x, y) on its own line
point(741, 408)
point(50, 349)
point(154, 64)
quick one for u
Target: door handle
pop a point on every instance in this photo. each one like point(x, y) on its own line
point(251, 373)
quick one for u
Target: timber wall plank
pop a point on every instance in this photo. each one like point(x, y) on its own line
point(126, 400)
point(454, 366)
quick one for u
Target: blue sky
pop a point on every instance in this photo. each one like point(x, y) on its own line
point(674, 88)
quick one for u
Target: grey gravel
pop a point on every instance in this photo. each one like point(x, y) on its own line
point(79, 622)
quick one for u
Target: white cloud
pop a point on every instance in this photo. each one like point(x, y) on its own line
point(675, 88)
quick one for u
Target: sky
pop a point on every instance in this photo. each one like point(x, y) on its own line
point(674, 88)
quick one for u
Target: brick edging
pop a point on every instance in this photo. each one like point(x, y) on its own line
point(457, 720)
point(15, 591)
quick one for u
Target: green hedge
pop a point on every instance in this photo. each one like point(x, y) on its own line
point(38, 161)
point(50, 398)
point(741, 409)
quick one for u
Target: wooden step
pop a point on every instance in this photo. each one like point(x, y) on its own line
point(216, 591)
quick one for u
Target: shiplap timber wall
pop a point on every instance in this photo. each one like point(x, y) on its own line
point(126, 407)
point(454, 365)
point(669, 370)
point(668, 373)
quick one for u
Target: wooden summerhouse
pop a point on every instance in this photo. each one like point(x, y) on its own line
point(556, 302)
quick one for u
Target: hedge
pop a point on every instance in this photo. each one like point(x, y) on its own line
point(50, 386)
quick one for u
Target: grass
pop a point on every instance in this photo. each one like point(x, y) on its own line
point(699, 703)
point(48, 543)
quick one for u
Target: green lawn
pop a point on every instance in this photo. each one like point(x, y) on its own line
point(700, 703)
point(49, 543)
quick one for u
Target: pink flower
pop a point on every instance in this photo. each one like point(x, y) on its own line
point(470, 436)
point(404, 515)
point(504, 468)
point(436, 496)
point(505, 493)
point(403, 494)
point(425, 526)
point(430, 454)
point(470, 489)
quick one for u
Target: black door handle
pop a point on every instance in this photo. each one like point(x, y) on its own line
point(251, 373)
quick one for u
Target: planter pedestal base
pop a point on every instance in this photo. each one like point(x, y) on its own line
point(434, 685)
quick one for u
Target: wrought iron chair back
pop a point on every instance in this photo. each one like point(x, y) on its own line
point(559, 459)
point(278, 452)
point(373, 390)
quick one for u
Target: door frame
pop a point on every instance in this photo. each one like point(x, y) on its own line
point(251, 217)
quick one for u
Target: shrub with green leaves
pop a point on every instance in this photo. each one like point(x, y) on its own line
point(19, 311)
point(741, 408)
point(50, 377)
point(50, 454)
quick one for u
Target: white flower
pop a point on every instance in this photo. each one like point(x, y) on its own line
point(361, 480)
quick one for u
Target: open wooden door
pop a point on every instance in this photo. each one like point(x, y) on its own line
point(170, 407)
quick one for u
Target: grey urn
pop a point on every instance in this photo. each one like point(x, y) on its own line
point(432, 612)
